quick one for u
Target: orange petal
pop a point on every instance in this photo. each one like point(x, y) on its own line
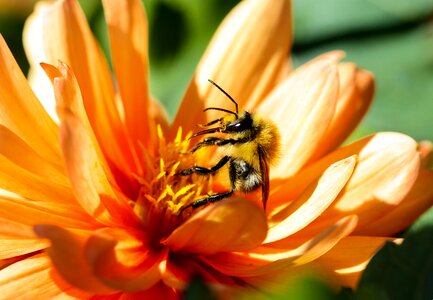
point(123, 263)
point(33, 278)
point(43, 89)
point(245, 58)
point(231, 225)
point(159, 114)
point(128, 30)
point(265, 260)
point(355, 96)
point(302, 107)
point(18, 239)
point(85, 165)
point(30, 213)
point(313, 202)
point(58, 31)
point(426, 152)
point(67, 255)
point(419, 199)
point(28, 185)
point(11, 247)
point(17, 151)
point(178, 271)
point(27, 173)
point(387, 167)
point(384, 175)
point(349, 257)
point(22, 113)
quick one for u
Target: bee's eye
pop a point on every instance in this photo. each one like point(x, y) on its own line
point(244, 124)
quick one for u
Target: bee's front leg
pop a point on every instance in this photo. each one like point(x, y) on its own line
point(205, 171)
point(213, 141)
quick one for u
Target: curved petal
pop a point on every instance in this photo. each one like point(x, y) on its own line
point(11, 247)
point(90, 178)
point(387, 168)
point(122, 262)
point(313, 202)
point(419, 199)
point(30, 213)
point(349, 257)
point(263, 260)
point(43, 89)
point(127, 27)
point(67, 255)
point(18, 239)
point(159, 114)
point(23, 155)
point(22, 113)
point(231, 225)
point(302, 106)
point(28, 185)
point(355, 96)
point(384, 175)
point(426, 152)
point(58, 31)
point(179, 270)
point(32, 277)
point(245, 58)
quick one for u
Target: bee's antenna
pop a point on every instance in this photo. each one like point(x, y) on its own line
point(222, 109)
point(225, 93)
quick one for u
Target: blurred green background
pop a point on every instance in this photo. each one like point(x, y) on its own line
point(391, 38)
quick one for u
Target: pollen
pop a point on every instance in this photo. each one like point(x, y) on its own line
point(163, 192)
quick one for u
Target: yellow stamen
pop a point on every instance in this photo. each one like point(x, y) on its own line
point(162, 186)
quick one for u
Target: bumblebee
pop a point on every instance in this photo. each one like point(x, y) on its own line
point(251, 143)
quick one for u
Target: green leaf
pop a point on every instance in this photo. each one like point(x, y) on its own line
point(403, 271)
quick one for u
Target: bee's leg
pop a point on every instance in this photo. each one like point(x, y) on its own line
point(204, 171)
point(209, 141)
point(209, 199)
point(214, 141)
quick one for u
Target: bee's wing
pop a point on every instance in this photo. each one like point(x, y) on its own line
point(264, 170)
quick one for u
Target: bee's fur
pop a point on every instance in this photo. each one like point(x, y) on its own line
point(252, 143)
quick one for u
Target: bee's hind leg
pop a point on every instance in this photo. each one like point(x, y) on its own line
point(209, 199)
point(205, 171)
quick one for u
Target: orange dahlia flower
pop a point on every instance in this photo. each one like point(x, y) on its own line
point(90, 199)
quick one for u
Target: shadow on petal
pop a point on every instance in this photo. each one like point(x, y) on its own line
point(234, 224)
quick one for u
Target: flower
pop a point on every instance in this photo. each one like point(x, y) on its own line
point(90, 202)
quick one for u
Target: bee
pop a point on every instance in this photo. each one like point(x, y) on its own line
point(251, 143)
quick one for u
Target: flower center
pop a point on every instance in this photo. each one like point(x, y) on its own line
point(163, 191)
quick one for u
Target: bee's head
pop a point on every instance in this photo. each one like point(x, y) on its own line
point(243, 123)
